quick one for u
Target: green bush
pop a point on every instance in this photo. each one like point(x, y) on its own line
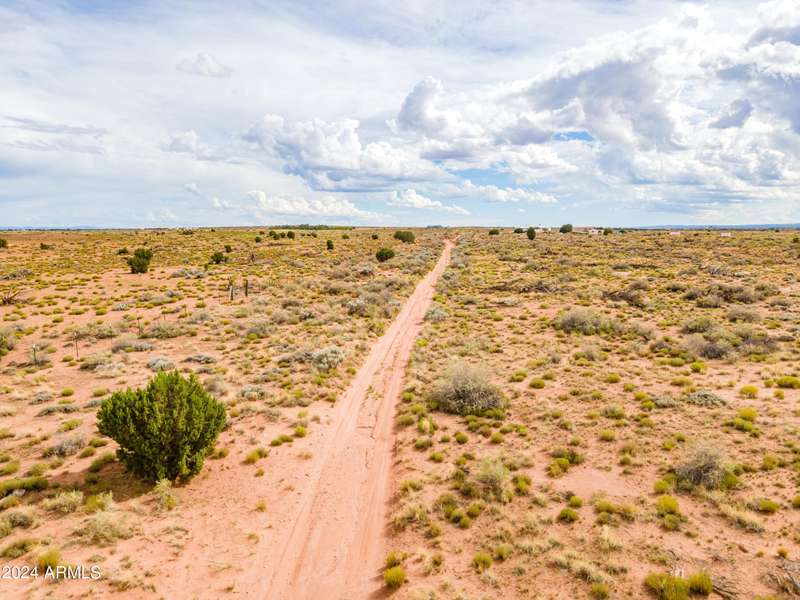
point(567, 515)
point(566, 228)
point(384, 254)
point(407, 237)
point(140, 261)
point(481, 561)
point(700, 583)
point(164, 430)
point(531, 233)
point(329, 244)
point(788, 381)
point(23, 483)
point(394, 577)
point(218, 258)
point(3, 243)
point(667, 587)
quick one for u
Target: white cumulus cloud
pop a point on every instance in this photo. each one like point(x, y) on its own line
point(412, 199)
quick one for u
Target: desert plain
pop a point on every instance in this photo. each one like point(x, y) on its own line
point(486, 413)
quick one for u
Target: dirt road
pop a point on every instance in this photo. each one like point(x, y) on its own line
point(332, 543)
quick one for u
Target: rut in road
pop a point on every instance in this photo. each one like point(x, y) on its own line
point(334, 544)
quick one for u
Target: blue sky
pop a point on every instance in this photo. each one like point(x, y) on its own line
point(513, 112)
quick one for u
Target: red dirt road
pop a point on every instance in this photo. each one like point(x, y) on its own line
point(333, 542)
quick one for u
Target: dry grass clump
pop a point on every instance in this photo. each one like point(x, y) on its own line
point(671, 587)
point(466, 390)
point(107, 526)
point(572, 562)
point(64, 502)
point(494, 480)
point(165, 499)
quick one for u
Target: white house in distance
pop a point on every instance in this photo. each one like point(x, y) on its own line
point(726, 234)
point(676, 233)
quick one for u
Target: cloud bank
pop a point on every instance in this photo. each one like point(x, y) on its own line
point(147, 114)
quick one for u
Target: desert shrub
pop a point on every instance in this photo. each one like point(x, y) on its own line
point(531, 233)
point(436, 314)
point(384, 254)
point(218, 258)
point(21, 517)
point(189, 273)
point(101, 461)
point(7, 341)
point(567, 515)
point(705, 398)
point(708, 348)
point(106, 526)
point(586, 321)
point(327, 359)
point(48, 559)
point(563, 459)
point(23, 483)
point(64, 502)
point(565, 228)
point(750, 340)
point(788, 382)
point(329, 244)
point(740, 314)
point(466, 390)
point(164, 430)
point(160, 363)
point(698, 325)
point(700, 583)
point(667, 587)
point(394, 577)
point(705, 467)
point(740, 517)
point(3, 243)
point(667, 505)
point(494, 480)
point(407, 237)
point(709, 301)
point(18, 548)
point(66, 447)
point(481, 561)
point(98, 502)
point(163, 331)
point(164, 496)
point(765, 505)
point(140, 261)
point(748, 391)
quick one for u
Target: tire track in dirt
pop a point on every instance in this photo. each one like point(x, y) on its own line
point(335, 542)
